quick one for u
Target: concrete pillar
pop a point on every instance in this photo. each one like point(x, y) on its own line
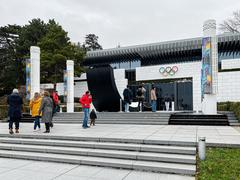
point(70, 86)
point(209, 104)
point(35, 70)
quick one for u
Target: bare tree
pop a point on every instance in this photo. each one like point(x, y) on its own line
point(231, 24)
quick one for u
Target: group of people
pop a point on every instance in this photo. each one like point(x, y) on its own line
point(140, 96)
point(41, 106)
point(45, 106)
point(128, 98)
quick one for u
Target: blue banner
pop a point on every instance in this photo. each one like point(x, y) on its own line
point(206, 78)
point(28, 78)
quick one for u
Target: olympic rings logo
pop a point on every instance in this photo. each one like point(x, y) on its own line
point(165, 71)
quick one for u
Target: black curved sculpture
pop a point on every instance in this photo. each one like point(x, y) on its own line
point(102, 86)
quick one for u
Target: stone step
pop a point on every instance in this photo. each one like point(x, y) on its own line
point(102, 120)
point(102, 139)
point(114, 122)
point(207, 119)
point(163, 167)
point(109, 118)
point(119, 154)
point(103, 145)
point(235, 124)
point(123, 119)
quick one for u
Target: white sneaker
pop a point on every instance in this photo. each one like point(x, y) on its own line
point(34, 130)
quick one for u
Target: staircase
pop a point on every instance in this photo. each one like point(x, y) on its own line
point(144, 155)
point(232, 120)
point(141, 118)
point(198, 119)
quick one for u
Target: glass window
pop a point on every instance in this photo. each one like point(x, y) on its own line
point(115, 65)
point(237, 55)
point(125, 65)
point(135, 64)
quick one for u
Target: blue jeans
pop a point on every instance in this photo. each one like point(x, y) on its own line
point(85, 118)
point(37, 122)
point(154, 105)
point(126, 106)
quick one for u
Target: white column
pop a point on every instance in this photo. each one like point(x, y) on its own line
point(70, 86)
point(209, 105)
point(35, 70)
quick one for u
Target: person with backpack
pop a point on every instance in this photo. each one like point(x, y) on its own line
point(140, 96)
point(86, 100)
point(127, 96)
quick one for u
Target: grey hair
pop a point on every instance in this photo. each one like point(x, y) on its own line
point(15, 90)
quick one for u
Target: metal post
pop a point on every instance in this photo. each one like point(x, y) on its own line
point(202, 148)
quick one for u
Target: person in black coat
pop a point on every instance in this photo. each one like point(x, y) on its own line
point(93, 116)
point(127, 97)
point(15, 110)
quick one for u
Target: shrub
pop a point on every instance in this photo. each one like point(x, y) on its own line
point(230, 106)
point(3, 111)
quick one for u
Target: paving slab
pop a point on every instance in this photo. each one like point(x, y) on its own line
point(76, 172)
point(224, 134)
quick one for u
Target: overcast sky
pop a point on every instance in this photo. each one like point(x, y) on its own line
point(124, 22)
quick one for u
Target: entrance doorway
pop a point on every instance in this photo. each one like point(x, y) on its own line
point(179, 91)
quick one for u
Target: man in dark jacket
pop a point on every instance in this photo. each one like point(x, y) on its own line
point(127, 96)
point(15, 110)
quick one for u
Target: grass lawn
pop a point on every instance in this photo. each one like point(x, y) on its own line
point(220, 163)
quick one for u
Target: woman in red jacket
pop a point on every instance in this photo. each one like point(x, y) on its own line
point(86, 100)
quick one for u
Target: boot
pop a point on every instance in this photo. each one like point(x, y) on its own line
point(11, 131)
point(16, 131)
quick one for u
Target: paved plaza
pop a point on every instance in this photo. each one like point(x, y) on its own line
point(215, 135)
point(27, 169)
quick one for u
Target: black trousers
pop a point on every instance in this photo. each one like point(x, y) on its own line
point(15, 120)
point(47, 125)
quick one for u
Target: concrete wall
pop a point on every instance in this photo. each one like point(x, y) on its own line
point(185, 70)
point(230, 64)
point(80, 88)
point(228, 86)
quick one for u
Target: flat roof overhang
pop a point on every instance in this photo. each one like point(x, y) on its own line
point(164, 51)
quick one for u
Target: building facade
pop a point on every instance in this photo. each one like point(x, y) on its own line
point(174, 68)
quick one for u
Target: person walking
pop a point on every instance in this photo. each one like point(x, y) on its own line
point(34, 105)
point(55, 101)
point(93, 117)
point(167, 102)
point(14, 111)
point(46, 109)
point(140, 96)
point(154, 99)
point(127, 96)
point(86, 100)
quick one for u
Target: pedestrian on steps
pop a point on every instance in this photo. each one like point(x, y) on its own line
point(93, 117)
point(14, 111)
point(86, 100)
point(46, 109)
point(34, 105)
